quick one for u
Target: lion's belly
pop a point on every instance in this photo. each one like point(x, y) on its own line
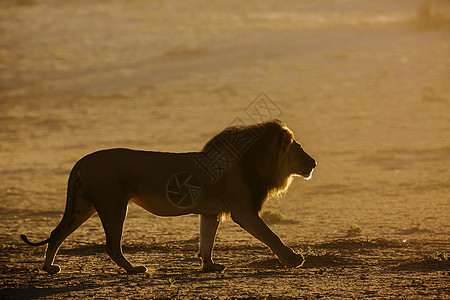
point(157, 206)
point(163, 205)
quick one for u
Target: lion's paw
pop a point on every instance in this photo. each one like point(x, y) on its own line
point(294, 260)
point(52, 269)
point(213, 268)
point(138, 269)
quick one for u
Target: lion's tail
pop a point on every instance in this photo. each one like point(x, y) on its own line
point(71, 192)
point(25, 239)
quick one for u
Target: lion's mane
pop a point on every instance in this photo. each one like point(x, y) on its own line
point(261, 162)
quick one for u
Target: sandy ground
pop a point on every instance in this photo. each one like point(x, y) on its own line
point(364, 85)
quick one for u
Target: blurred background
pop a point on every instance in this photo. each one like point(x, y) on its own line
point(364, 85)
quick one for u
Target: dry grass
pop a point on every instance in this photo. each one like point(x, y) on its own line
point(354, 230)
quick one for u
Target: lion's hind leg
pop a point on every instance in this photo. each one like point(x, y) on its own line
point(74, 217)
point(112, 217)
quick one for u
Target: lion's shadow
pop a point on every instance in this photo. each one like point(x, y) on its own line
point(312, 260)
point(32, 292)
point(92, 249)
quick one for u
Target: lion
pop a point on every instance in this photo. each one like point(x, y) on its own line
point(233, 175)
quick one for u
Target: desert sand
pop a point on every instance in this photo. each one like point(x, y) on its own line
point(364, 85)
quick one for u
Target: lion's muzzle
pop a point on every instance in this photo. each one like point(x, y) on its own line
point(308, 166)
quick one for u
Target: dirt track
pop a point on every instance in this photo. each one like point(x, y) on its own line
point(364, 85)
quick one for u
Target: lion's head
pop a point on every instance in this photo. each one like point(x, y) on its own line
point(268, 156)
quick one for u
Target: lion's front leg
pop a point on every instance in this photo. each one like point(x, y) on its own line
point(208, 230)
point(253, 224)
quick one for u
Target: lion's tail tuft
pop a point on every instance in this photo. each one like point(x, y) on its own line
point(25, 239)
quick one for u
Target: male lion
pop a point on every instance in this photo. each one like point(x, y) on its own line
point(234, 174)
